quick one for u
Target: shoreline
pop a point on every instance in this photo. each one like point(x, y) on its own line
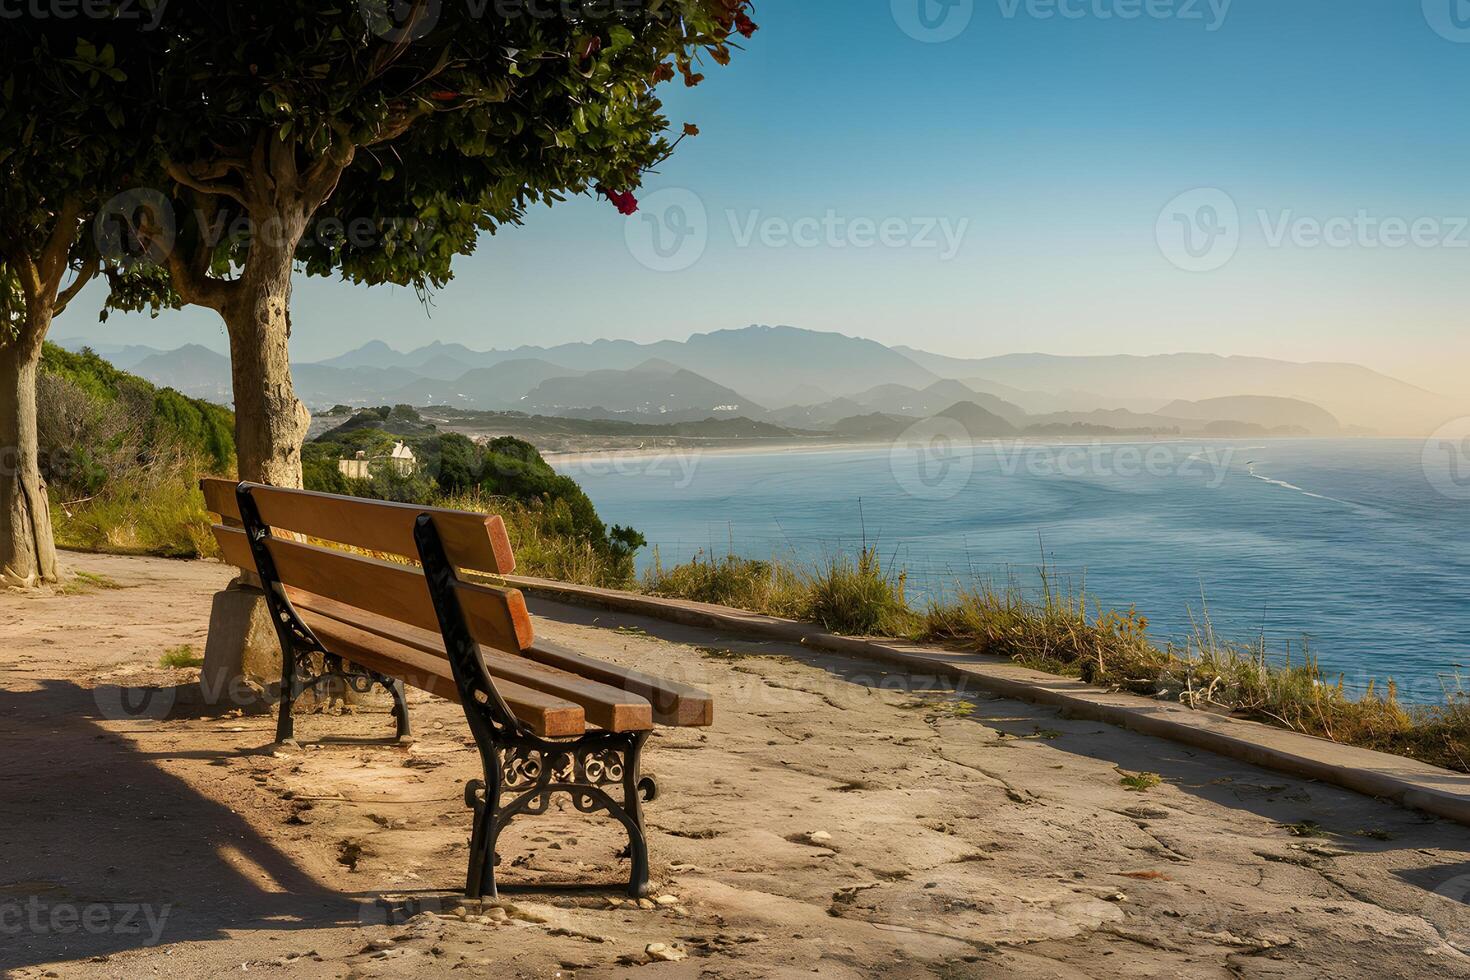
point(583, 457)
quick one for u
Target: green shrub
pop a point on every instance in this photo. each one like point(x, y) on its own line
point(765, 587)
point(858, 597)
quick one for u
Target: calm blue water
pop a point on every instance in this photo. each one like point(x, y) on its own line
point(1344, 543)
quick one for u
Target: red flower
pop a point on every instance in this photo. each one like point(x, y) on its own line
point(745, 25)
point(624, 201)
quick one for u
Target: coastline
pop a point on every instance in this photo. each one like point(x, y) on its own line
point(613, 455)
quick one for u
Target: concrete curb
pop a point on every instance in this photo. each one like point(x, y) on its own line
point(1418, 785)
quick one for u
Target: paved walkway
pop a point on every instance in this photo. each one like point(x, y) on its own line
point(837, 818)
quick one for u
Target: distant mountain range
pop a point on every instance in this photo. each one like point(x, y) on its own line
point(812, 380)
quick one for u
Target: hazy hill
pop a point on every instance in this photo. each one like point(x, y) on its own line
point(832, 377)
point(1268, 412)
point(193, 370)
point(768, 364)
point(504, 386)
point(124, 357)
point(1355, 394)
point(877, 426)
point(654, 388)
point(821, 416)
point(978, 422)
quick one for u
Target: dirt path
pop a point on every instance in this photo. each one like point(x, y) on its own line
point(836, 819)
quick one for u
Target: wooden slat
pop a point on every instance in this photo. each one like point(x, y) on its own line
point(676, 705)
point(545, 714)
point(496, 617)
point(219, 498)
point(672, 704)
point(607, 707)
point(474, 541)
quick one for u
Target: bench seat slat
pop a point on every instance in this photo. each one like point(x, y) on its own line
point(675, 705)
point(474, 541)
point(606, 706)
point(546, 714)
point(497, 617)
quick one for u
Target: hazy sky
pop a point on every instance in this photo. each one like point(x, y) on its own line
point(1016, 187)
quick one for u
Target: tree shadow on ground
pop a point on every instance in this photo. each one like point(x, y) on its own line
point(106, 852)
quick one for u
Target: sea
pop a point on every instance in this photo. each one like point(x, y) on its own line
point(1355, 551)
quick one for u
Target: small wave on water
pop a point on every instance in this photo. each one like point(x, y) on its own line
point(1366, 511)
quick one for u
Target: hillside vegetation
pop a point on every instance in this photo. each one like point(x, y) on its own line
point(554, 527)
point(121, 458)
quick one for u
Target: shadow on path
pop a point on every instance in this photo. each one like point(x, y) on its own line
point(106, 852)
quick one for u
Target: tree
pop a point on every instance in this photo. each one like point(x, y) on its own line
point(65, 145)
point(291, 126)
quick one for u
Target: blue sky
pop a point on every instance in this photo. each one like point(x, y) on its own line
point(1015, 187)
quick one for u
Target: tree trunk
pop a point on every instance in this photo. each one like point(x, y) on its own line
point(27, 549)
point(270, 421)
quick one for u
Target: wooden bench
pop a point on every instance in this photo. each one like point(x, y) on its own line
point(546, 719)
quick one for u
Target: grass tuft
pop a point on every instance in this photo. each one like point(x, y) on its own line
point(1140, 782)
point(180, 657)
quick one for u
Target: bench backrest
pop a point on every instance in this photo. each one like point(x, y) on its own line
point(496, 617)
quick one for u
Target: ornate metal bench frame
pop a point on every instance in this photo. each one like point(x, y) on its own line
point(517, 762)
point(299, 645)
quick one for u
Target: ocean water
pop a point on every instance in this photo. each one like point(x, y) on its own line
point(1351, 546)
